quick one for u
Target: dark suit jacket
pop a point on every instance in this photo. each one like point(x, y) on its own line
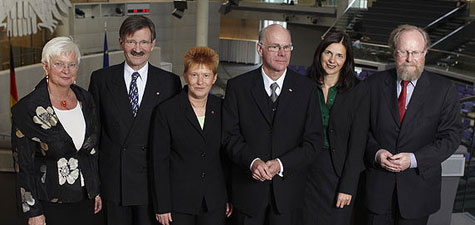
point(294, 136)
point(123, 164)
point(41, 144)
point(347, 133)
point(431, 130)
point(186, 159)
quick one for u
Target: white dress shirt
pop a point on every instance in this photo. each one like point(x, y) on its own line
point(141, 80)
point(268, 82)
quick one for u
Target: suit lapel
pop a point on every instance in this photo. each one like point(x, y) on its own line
point(189, 112)
point(151, 93)
point(417, 98)
point(389, 91)
point(211, 118)
point(119, 94)
point(260, 96)
point(286, 93)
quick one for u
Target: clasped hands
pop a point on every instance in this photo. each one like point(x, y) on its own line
point(263, 171)
point(393, 163)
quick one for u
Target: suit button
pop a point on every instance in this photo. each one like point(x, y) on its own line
point(333, 149)
point(331, 130)
point(123, 149)
point(143, 148)
point(203, 175)
point(203, 154)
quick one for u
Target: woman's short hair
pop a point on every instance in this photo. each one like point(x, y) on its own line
point(201, 56)
point(57, 46)
point(393, 38)
point(347, 77)
point(135, 23)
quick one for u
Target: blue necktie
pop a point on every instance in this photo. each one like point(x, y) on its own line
point(134, 93)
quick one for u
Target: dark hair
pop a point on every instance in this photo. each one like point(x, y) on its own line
point(347, 78)
point(135, 23)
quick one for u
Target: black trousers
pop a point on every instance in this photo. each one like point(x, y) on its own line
point(268, 215)
point(116, 214)
point(77, 213)
point(393, 216)
point(321, 194)
point(204, 217)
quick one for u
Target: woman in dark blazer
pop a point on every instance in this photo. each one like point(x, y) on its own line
point(54, 135)
point(188, 177)
point(344, 103)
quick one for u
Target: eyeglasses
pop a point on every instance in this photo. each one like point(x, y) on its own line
point(61, 65)
point(276, 48)
point(405, 54)
point(133, 43)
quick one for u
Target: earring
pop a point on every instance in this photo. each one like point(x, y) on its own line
point(74, 82)
point(47, 78)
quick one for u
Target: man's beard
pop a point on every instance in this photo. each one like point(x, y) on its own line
point(409, 72)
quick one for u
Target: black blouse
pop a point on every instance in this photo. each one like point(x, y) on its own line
point(49, 165)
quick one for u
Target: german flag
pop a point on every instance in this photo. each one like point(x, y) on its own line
point(13, 91)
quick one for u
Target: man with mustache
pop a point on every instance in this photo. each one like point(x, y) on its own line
point(125, 96)
point(414, 126)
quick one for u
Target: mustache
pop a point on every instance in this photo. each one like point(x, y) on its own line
point(134, 53)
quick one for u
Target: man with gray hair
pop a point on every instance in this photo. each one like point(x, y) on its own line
point(414, 126)
point(271, 131)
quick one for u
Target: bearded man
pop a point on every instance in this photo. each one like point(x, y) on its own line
point(414, 126)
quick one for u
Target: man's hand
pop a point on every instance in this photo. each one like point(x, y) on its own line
point(164, 218)
point(37, 220)
point(260, 171)
point(383, 158)
point(97, 204)
point(401, 160)
point(343, 200)
point(229, 209)
point(273, 167)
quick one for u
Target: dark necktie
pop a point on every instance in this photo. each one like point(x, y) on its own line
point(273, 88)
point(134, 93)
point(402, 100)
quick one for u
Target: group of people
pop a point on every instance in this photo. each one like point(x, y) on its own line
point(280, 149)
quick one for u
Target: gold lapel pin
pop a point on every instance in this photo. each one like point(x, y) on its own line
point(158, 93)
point(290, 89)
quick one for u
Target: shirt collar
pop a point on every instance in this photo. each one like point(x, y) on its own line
point(268, 81)
point(413, 82)
point(143, 72)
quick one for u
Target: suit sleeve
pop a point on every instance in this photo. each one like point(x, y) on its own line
point(312, 141)
point(160, 156)
point(447, 136)
point(24, 151)
point(94, 90)
point(234, 144)
point(357, 143)
point(176, 85)
point(372, 146)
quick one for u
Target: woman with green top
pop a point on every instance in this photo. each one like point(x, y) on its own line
point(333, 176)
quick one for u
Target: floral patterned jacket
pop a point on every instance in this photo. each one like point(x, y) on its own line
point(48, 164)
